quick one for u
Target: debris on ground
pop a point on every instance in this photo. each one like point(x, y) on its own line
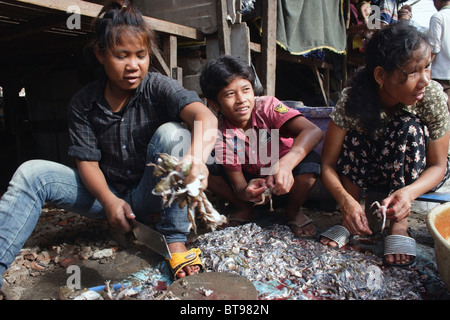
point(265, 252)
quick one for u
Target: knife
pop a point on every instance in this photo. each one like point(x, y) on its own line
point(151, 238)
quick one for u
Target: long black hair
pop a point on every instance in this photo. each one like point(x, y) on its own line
point(391, 48)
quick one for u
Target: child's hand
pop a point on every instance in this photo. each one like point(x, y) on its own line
point(281, 182)
point(254, 189)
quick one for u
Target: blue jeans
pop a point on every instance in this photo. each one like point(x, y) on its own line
point(39, 181)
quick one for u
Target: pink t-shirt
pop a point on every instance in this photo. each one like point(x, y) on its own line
point(251, 150)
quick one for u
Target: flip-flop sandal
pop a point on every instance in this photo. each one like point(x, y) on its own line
point(182, 259)
point(398, 244)
point(306, 222)
point(338, 234)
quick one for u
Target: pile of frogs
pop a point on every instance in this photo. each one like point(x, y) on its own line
point(284, 267)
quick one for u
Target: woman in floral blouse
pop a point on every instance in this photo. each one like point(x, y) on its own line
point(390, 132)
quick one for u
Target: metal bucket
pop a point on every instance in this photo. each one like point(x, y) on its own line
point(320, 116)
point(438, 223)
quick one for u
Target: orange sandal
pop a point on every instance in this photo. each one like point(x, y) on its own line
point(182, 259)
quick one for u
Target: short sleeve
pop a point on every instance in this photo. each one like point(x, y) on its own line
point(339, 117)
point(83, 140)
point(434, 111)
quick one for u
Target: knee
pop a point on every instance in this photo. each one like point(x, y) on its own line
point(28, 169)
point(306, 180)
point(171, 138)
point(34, 171)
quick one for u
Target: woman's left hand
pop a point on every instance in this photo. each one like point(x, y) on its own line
point(398, 205)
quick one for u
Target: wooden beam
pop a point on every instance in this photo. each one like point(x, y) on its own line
point(315, 65)
point(256, 47)
point(170, 52)
point(160, 63)
point(286, 56)
point(323, 87)
point(269, 46)
point(91, 10)
point(174, 28)
point(169, 48)
point(223, 28)
point(32, 27)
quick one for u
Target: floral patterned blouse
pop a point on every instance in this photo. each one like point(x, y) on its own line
point(432, 110)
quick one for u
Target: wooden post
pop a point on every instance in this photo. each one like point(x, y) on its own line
point(223, 28)
point(170, 48)
point(269, 46)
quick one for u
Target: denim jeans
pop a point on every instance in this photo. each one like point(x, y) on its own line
point(39, 181)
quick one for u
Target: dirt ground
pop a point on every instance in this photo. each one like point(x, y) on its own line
point(62, 239)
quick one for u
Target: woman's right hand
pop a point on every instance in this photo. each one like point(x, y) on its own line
point(354, 218)
point(118, 211)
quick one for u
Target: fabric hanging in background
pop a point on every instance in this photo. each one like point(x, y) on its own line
point(304, 26)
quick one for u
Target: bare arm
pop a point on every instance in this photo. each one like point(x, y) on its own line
point(203, 125)
point(353, 215)
point(247, 191)
point(117, 210)
point(307, 136)
point(400, 201)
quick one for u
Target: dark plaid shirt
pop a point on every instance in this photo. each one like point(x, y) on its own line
point(118, 141)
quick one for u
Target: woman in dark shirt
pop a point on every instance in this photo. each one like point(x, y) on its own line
point(117, 124)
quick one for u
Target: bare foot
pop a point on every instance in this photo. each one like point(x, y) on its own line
point(301, 225)
point(399, 228)
point(241, 216)
point(177, 247)
point(328, 242)
point(335, 236)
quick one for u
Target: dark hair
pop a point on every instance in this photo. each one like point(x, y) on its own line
point(406, 7)
point(405, 11)
point(218, 73)
point(391, 48)
point(116, 17)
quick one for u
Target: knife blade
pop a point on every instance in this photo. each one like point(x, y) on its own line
point(151, 238)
